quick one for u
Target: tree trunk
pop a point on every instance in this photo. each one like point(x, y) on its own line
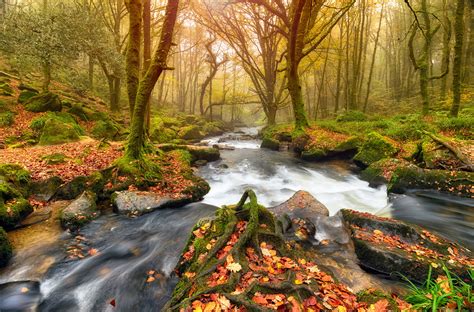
point(133, 51)
point(91, 73)
point(136, 139)
point(294, 88)
point(458, 51)
point(376, 43)
point(147, 51)
point(46, 76)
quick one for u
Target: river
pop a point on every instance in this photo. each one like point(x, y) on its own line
point(114, 279)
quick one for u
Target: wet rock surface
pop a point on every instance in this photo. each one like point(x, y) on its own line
point(136, 203)
point(81, 211)
point(398, 249)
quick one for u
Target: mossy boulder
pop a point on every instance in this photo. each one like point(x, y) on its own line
point(80, 212)
point(381, 171)
point(70, 190)
point(45, 189)
point(57, 132)
point(44, 102)
point(13, 211)
point(82, 112)
point(7, 119)
point(376, 147)
point(387, 246)
point(352, 116)
point(431, 155)
point(107, 129)
point(6, 249)
point(413, 177)
point(327, 147)
point(53, 159)
point(6, 89)
point(13, 190)
point(163, 135)
point(190, 133)
point(213, 129)
point(270, 143)
point(25, 95)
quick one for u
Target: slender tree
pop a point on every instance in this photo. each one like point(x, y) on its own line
point(136, 140)
point(458, 53)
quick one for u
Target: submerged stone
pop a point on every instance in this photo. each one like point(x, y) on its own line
point(20, 296)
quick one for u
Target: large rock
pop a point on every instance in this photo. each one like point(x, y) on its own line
point(375, 148)
point(432, 155)
point(381, 171)
point(6, 89)
point(197, 152)
point(57, 132)
point(413, 177)
point(25, 95)
point(190, 133)
point(301, 205)
point(44, 102)
point(13, 190)
point(328, 150)
point(81, 211)
point(136, 203)
point(270, 143)
point(45, 189)
point(387, 246)
point(6, 250)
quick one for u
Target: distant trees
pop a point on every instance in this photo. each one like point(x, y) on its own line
point(42, 38)
point(304, 24)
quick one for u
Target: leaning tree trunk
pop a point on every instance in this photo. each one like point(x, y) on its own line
point(136, 139)
point(458, 51)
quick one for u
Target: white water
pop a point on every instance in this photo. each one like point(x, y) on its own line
point(277, 176)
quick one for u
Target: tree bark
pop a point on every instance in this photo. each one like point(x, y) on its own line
point(133, 51)
point(136, 139)
point(46, 76)
point(458, 52)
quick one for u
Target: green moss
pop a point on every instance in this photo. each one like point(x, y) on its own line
point(13, 211)
point(44, 102)
point(56, 132)
point(373, 296)
point(352, 116)
point(7, 119)
point(106, 129)
point(163, 135)
point(25, 95)
point(270, 143)
point(375, 148)
point(6, 90)
point(52, 159)
point(413, 177)
point(190, 133)
point(15, 174)
point(79, 110)
point(6, 249)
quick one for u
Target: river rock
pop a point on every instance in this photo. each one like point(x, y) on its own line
point(45, 189)
point(387, 245)
point(20, 296)
point(81, 211)
point(136, 203)
point(375, 148)
point(301, 205)
point(37, 216)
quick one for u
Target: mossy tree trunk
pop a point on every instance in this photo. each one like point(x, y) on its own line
point(132, 60)
point(136, 139)
point(46, 75)
point(458, 53)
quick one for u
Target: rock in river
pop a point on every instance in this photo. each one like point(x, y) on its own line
point(81, 211)
point(136, 203)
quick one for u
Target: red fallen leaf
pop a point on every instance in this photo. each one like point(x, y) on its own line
point(381, 305)
point(112, 302)
point(259, 300)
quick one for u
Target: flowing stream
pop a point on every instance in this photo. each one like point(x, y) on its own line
point(114, 278)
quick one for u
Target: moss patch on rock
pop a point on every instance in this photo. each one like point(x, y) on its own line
point(25, 95)
point(44, 102)
point(107, 129)
point(192, 132)
point(56, 128)
point(413, 177)
point(6, 89)
point(6, 249)
point(7, 119)
point(375, 148)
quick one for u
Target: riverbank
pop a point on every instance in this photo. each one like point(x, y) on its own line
point(404, 152)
